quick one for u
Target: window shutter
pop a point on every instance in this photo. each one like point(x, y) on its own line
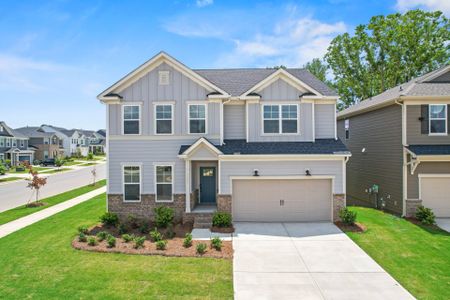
point(424, 119)
point(448, 118)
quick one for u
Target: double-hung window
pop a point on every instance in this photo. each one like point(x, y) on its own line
point(14, 141)
point(280, 119)
point(131, 183)
point(164, 182)
point(163, 119)
point(438, 118)
point(131, 119)
point(22, 143)
point(197, 118)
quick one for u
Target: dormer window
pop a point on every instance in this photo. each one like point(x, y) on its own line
point(164, 77)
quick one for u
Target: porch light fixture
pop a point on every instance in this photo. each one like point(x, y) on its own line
point(308, 172)
point(255, 172)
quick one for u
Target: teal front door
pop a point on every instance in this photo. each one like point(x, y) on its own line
point(207, 185)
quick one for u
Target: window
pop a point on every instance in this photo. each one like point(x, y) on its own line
point(131, 119)
point(22, 143)
point(347, 129)
point(46, 141)
point(280, 119)
point(438, 119)
point(197, 118)
point(164, 185)
point(2, 142)
point(45, 154)
point(164, 78)
point(163, 119)
point(8, 142)
point(14, 142)
point(131, 183)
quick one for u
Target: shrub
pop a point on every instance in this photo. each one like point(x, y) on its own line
point(90, 156)
point(82, 237)
point(36, 162)
point(170, 233)
point(221, 219)
point(110, 219)
point(8, 162)
point(83, 229)
point(347, 216)
point(127, 237)
point(111, 241)
point(2, 169)
point(139, 242)
point(92, 241)
point(144, 228)
point(161, 245)
point(155, 235)
point(132, 221)
point(425, 215)
point(187, 242)
point(216, 243)
point(201, 248)
point(163, 216)
point(102, 235)
point(122, 229)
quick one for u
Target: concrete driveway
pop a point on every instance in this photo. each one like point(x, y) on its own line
point(306, 261)
point(443, 223)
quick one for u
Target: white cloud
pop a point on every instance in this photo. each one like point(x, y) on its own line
point(432, 5)
point(203, 3)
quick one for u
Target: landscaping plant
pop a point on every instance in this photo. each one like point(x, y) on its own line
point(122, 228)
point(425, 215)
point(144, 228)
point(59, 162)
point(139, 242)
point(90, 156)
point(132, 221)
point(111, 241)
point(102, 235)
point(2, 169)
point(109, 219)
point(187, 242)
point(216, 243)
point(82, 237)
point(83, 229)
point(221, 219)
point(92, 241)
point(347, 216)
point(161, 245)
point(201, 248)
point(163, 216)
point(36, 183)
point(128, 237)
point(155, 235)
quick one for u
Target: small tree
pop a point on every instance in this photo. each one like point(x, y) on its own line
point(36, 182)
point(90, 156)
point(94, 175)
point(59, 162)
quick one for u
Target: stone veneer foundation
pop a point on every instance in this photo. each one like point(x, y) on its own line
point(338, 203)
point(411, 207)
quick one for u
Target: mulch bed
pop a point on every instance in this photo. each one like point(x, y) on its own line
point(357, 227)
point(35, 204)
point(222, 229)
point(174, 248)
point(179, 230)
point(418, 223)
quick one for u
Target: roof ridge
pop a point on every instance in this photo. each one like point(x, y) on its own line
point(250, 69)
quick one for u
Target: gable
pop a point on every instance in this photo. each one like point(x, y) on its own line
point(281, 90)
point(202, 152)
point(444, 78)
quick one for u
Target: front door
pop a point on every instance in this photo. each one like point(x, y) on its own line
point(207, 184)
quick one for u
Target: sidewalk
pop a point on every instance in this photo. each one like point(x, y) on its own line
point(18, 224)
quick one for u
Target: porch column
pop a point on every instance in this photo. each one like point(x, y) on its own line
point(188, 185)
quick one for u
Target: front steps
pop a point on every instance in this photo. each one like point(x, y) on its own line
point(203, 220)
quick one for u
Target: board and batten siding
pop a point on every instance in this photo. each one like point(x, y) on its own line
point(380, 134)
point(234, 122)
point(414, 134)
point(280, 90)
point(281, 168)
point(180, 91)
point(324, 121)
point(424, 168)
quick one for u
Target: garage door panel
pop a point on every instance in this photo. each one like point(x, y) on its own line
point(301, 200)
point(435, 192)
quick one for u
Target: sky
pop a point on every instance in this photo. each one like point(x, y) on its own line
point(57, 56)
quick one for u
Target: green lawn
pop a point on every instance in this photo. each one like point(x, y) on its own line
point(21, 211)
point(416, 256)
point(39, 262)
point(10, 179)
point(72, 163)
point(88, 164)
point(56, 171)
point(13, 170)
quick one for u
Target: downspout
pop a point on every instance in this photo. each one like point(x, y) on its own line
point(404, 165)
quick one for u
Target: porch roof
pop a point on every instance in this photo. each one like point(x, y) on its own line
point(430, 149)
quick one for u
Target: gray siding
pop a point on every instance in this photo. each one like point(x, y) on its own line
point(424, 168)
point(280, 90)
point(324, 120)
point(379, 132)
point(181, 91)
point(277, 168)
point(413, 132)
point(443, 78)
point(255, 125)
point(234, 122)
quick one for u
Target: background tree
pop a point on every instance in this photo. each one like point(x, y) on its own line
point(388, 51)
point(318, 68)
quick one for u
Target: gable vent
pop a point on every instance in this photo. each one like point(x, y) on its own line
point(163, 77)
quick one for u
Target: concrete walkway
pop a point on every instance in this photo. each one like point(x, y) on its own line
point(443, 223)
point(306, 261)
point(18, 224)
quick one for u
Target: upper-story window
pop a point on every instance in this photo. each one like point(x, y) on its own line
point(46, 141)
point(14, 143)
point(280, 119)
point(131, 119)
point(164, 78)
point(197, 118)
point(8, 142)
point(163, 119)
point(347, 129)
point(438, 119)
point(22, 143)
point(2, 142)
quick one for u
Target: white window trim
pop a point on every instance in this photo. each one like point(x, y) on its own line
point(172, 119)
point(172, 166)
point(123, 181)
point(280, 120)
point(140, 119)
point(437, 119)
point(189, 118)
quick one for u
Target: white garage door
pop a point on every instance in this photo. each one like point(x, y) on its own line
point(435, 193)
point(282, 200)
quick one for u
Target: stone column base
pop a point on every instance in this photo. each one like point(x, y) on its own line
point(338, 204)
point(224, 203)
point(411, 207)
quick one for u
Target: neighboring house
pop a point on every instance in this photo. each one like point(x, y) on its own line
point(258, 143)
point(46, 144)
point(14, 145)
point(400, 143)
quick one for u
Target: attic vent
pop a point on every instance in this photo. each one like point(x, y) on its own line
point(163, 77)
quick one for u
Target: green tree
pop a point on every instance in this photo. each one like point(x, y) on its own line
point(318, 68)
point(388, 51)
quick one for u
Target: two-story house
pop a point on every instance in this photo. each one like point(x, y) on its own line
point(46, 144)
point(14, 146)
point(258, 143)
point(400, 146)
